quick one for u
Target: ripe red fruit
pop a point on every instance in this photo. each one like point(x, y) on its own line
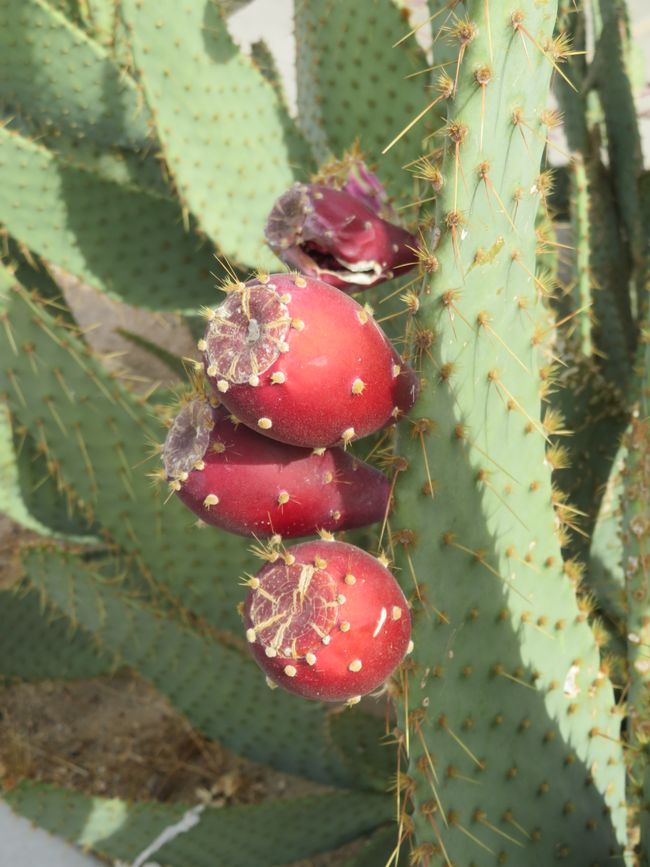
point(327, 621)
point(233, 478)
point(341, 230)
point(303, 363)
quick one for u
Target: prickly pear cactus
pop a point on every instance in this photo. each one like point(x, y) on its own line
point(526, 772)
point(144, 154)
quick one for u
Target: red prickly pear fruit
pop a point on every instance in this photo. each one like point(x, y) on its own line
point(233, 478)
point(327, 621)
point(302, 363)
point(335, 235)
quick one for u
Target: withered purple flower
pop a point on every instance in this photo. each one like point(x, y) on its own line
point(339, 231)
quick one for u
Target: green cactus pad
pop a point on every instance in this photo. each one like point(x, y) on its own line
point(593, 410)
point(102, 20)
point(603, 266)
point(35, 645)
point(582, 321)
point(173, 362)
point(28, 494)
point(620, 114)
point(263, 58)
point(605, 565)
point(611, 270)
point(228, 141)
point(635, 532)
point(39, 499)
point(54, 73)
point(140, 168)
point(33, 273)
point(99, 440)
point(361, 739)
point(208, 675)
point(353, 84)
point(88, 230)
point(118, 165)
point(379, 850)
point(644, 818)
point(256, 834)
point(635, 538)
point(512, 726)
point(70, 8)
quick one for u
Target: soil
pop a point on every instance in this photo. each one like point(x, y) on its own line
point(116, 736)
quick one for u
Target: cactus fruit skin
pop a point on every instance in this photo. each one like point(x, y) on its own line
point(327, 621)
point(234, 478)
point(303, 363)
point(337, 236)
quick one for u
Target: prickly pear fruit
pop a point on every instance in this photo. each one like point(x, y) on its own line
point(335, 235)
point(327, 621)
point(233, 478)
point(302, 363)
